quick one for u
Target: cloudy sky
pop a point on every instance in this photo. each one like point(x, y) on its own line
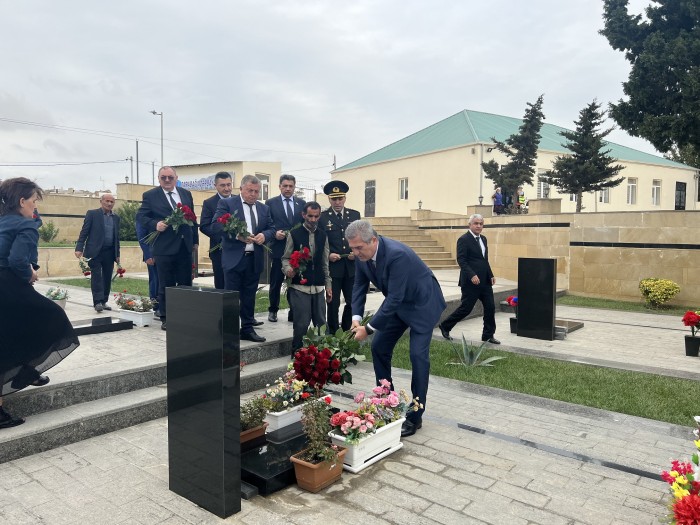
point(290, 81)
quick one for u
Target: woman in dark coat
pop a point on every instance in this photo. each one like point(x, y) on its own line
point(35, 333)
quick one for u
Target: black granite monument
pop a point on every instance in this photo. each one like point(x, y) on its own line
point(203, 356)
point(537, 291)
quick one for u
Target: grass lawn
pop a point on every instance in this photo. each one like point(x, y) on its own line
point(635, 393)
point(140, 287)
point(627, 306)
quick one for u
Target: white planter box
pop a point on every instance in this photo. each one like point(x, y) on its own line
point(138, 318)
point(285, 418)
point(372, 447)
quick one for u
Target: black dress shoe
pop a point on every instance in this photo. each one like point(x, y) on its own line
point(40, 381)
point(99, 308)
point(258, 323)
point(106, 306)
point(7, 420)
point(408, 428)
point(252, 336)
point(272, 317)
point(445, 333)
point(162, 326)
point(492, 340)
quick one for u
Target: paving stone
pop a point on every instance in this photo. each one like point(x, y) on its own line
point(520, 494)
point(448, 516)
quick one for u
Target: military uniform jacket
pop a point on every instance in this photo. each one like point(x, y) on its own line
point(335, 230)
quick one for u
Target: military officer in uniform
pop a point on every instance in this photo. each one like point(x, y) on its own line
point(341, 260)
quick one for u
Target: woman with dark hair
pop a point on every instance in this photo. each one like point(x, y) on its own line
point(35, 333)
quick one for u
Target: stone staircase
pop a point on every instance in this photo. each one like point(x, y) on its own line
point(405, 230)
point(99, 399)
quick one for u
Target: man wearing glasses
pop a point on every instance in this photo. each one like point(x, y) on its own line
point(476, 281)
point(171, 250)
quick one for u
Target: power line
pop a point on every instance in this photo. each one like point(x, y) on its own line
point(39, 164)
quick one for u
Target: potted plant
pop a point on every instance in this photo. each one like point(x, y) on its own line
point(685, 489)
point(692, 343)
point(321, 463)
point(253, 412)
point(58, 295)
point(373, 430)
point(284, 400)
point(138, 310)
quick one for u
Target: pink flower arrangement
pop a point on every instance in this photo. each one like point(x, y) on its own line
point(384, 406)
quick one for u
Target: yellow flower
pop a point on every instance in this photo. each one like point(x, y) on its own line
point(673, 473)
point(697, 443)
point(678, 492)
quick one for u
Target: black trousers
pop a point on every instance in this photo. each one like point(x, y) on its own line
point(343, 284)
point(276, 280)
point(173, 270)
point(244, 280)
point(101, 266)
point(470, 295)
point(218, 269)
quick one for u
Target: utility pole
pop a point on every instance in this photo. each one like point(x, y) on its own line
point(131, 160)
point(153, 172)
point(137, 161)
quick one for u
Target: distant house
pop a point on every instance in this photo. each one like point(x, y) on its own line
point(440, 166)
point(201, 176)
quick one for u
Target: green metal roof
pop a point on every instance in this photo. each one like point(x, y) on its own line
point(475, 127)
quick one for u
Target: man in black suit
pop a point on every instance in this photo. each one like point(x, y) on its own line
point(476, 281)
point(99, 242)
point(285, 211)
point(242, 257)
point(341, 260)
point(224, 186)
point(171, 250)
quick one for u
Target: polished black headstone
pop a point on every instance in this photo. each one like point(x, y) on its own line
point(203, 357)
point(100, 325)
point(268, 467)
point(537, 289)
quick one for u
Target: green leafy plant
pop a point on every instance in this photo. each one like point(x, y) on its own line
point(657, 292)
point(253, 413)
point(48, 231)
point(469, 355)
point(316, 423)
point(127, 224)
point(57, 294)
point(133, 302)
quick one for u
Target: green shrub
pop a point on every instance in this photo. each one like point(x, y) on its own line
point(657, 292)
point(48, 231)
point(127, 224)
point(253, 413)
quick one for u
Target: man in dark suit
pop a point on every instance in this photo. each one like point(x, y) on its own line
point(171, 250)
point(412, 298)
point(285, 210)
point(224, 186)
point(341, 260)
point(99, 242)
point(242, 258)
point(476, 281)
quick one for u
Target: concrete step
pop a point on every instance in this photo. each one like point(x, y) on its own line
point(423, 254)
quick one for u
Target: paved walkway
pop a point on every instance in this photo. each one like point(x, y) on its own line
point(483, 455)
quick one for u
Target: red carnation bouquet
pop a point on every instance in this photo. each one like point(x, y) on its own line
point(83, 263)
point(183, 214)
point(298, 260)
point(234, 227)
point(317, 366)
point(692, 319)
point(119, 273)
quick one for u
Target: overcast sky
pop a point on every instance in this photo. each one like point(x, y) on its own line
point(290, 81)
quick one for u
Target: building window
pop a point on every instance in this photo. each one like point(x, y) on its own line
point(264, 186)
point(572, 197)
point(631, 191)
point(604, 196)
point(543, 190)
point(403, 189)
point(656, 192)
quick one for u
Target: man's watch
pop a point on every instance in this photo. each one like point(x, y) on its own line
point(369, 330)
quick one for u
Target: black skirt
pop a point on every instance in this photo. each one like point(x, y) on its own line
point(35, 333)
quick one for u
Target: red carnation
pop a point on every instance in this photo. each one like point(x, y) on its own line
point(326, 352)
point(335, 364)
point(686, 510)
point(335, 378)
point(303, 281)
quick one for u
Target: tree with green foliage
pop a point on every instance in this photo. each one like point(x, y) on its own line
point(127, 225)
point(687, 155)
point(664, 83)
point(588, 167)
point(521, 149)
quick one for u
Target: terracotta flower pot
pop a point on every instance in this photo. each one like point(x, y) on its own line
point(253, 433)
point(692, 346)
point(317, 476)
